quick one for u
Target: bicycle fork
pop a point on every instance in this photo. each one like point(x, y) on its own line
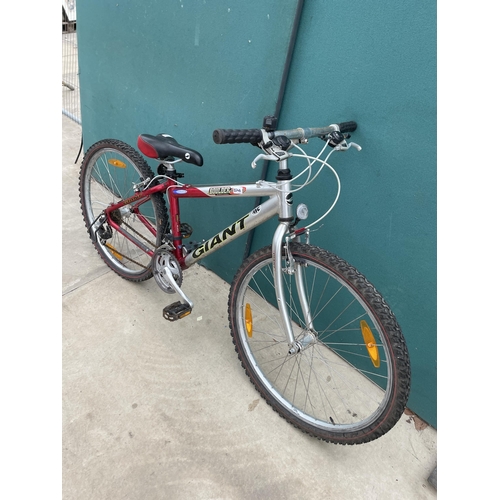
point(294, 268)
point(286, 217)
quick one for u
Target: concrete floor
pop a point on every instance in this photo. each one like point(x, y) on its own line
point(159, 410)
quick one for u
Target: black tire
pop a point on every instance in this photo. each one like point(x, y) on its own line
point(109, 170)
point(346, 386)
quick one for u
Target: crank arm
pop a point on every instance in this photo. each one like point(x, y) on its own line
point(176, 287)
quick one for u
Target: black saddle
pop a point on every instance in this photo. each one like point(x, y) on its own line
point(163, 146)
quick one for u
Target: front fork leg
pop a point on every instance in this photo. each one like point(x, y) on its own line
point(294, 344)
point(301, 290)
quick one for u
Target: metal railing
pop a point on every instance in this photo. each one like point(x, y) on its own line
point(70, 80)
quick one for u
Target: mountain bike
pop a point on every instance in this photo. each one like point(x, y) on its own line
point(316, 339)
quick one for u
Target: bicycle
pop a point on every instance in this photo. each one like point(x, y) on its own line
point(316, 339)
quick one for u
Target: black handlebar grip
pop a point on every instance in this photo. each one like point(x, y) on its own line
point(233, 136)
point(348, 126)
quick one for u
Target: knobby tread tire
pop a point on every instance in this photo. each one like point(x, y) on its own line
point(161, 212)
point(398, 351)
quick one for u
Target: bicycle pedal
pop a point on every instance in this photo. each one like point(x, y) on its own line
point(186, 230)
point(177, 310)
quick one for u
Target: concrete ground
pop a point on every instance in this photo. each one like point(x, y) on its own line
point(159, 410)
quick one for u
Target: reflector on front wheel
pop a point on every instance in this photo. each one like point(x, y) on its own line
point(116, 163)
point(371, 345)
point(248, 319)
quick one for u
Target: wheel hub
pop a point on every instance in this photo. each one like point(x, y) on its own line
point(307, 339)
point(116, 216)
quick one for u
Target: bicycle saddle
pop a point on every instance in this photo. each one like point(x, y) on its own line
point(162, 146)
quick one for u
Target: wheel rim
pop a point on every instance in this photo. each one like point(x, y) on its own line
point(330, 383)
point(109, 178)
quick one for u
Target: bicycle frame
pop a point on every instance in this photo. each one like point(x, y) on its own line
point(313, 334)
point(247, 222)
point(279, 203)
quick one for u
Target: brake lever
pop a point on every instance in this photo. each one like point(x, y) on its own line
point(276, 156)
point(262, 157)
point(344, 146)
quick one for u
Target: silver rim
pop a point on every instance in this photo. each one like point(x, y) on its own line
point(331, 383)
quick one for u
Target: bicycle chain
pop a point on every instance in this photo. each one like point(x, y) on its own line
point(114, 250)
point(139, 234)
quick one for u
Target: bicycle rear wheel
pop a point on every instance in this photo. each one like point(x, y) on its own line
point(349, 383)
point(109, 171)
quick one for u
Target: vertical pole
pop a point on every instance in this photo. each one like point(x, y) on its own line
point(279, 102)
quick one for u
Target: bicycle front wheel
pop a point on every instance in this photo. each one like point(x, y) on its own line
point(109, 172)
point(348, 382)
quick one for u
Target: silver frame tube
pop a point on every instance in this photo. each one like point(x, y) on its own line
point(278, 280)
point(257, 216)
point(256, 190)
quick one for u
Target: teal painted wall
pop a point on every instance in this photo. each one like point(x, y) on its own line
point(188, 67)
point(185, 68)
point(375, 63)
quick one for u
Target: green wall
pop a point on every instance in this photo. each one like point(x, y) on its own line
point(188, 67)
point(185, 68)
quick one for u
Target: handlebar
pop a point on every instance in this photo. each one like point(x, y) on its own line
point(254, 136)
point(348, 126)
point(233, 136)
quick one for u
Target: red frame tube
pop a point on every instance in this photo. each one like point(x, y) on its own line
point(174, 192)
